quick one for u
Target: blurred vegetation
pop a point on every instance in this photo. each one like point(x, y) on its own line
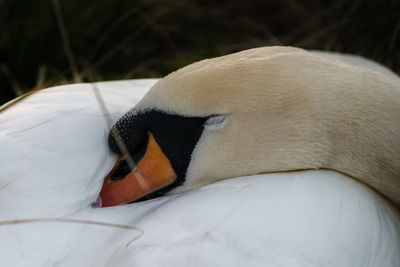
point(124, 39)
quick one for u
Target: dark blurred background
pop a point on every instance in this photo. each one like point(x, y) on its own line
point(50, 42)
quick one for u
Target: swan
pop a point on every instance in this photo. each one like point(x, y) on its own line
point(54, 159)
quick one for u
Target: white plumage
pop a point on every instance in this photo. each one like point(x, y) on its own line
point(54, 156)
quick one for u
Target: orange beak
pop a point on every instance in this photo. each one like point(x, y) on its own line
point(152, 172)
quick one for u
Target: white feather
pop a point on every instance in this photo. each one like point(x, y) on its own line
point(55, 155)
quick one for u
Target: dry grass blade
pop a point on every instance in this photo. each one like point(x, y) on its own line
point(31, 92)
point(76, 221)
point(15, 86)
point(66, 42)
point(113, 131)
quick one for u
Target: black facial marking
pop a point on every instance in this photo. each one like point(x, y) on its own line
point(136, 153)
point(121, 172)
point(176, 135)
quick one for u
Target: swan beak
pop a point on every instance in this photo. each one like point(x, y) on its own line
point(151, 173)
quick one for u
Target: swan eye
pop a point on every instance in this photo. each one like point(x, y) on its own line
point(215, 122)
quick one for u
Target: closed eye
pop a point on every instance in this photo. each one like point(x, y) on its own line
point(215, 122)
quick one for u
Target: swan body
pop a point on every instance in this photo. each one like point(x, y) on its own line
point(310, 218)
point(54, 157)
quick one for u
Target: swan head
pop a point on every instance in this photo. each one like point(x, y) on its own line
point(271, 109)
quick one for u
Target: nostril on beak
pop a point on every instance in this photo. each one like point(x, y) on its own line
point(122, 170)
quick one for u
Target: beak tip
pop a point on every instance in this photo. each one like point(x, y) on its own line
point(98, 203)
